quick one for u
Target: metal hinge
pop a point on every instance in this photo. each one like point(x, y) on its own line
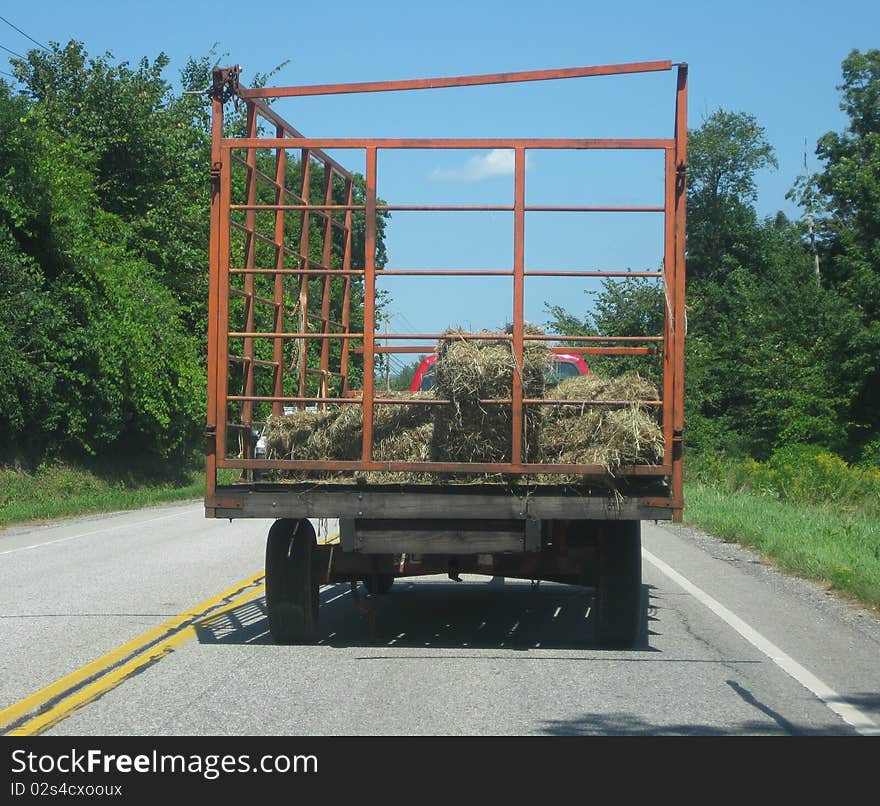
point(225, 87)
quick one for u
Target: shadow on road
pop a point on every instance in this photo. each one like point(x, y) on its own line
point(494, 614)
point(628, 724)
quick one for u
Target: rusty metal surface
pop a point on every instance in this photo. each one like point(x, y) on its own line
point(459, 81)
point(283, 343)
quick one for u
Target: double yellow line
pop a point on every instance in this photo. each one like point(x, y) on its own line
point(48, 706)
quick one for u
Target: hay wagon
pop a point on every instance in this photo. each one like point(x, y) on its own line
point(294, 341)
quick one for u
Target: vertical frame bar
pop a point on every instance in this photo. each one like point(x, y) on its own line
point(680, 268)
point(278, 342)
point(519, 223)
point(369, 302)
point(223, 303)
point(327, 285)
point(669, 319)
point(306, 162)
point(213, 303)
point(250, 222)
point(346, 285)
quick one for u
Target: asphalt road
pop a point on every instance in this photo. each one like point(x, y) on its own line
point(730, 645)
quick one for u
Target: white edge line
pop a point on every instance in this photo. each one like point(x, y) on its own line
point(846, 711)
point(99, 531)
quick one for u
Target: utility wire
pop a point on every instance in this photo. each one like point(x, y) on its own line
point(8, 74)
point(8, 50)
point(23, 33)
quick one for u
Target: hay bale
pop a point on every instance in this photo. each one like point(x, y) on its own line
point(288, 436)
point(468, 370)
point(468, 432)
point(629, 386)
point(601, 435)
point(410, 444)
point(340, 436)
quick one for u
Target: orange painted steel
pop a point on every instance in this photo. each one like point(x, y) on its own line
point(311, 246)
point(569, 144)
point(458, 81)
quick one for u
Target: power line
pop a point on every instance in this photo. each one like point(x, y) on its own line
point(8, 50)
point(23, 33)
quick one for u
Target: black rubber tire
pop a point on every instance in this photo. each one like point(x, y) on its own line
point(292, 599)
point(378, 584)
point(619, 590)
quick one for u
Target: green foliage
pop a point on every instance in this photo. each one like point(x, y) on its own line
point(839, 547)
point(762, 363)
point(95, 352)
point(629, 307)
point(104, 226)
point(806, 475)
point(724, 155)
point(57, 490)
point(846, 193)
point(148, 159)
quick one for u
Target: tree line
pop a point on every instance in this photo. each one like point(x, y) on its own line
point(783, 342)
point(104, 229)
point(104, 199)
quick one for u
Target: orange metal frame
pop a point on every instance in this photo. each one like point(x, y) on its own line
point(293, 263)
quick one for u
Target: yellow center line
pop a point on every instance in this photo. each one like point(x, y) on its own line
point(88, 693)
point(60, 688)
point(48, 706)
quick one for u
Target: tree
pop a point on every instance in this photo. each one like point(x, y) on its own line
point(104, 202)
point(847, 190)
point(98, 356)
point(724, 155)
point(629, 307)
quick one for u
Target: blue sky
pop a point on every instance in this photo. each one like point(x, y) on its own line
point(779, 61)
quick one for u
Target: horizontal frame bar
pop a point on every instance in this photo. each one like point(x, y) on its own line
point(431, 401)
point(445, 208)
point(442, 467)
point(457, 81)
point(353, 143)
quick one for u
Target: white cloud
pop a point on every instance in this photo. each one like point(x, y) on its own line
point(497, 162)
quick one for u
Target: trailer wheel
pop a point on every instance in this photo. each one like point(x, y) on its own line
point(619, 589)
point(291, 586)
point(378, 584)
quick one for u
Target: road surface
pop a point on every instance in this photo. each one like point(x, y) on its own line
point(153, 623)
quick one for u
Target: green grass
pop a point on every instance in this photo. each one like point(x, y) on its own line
point(832, 544)
point(61, 490)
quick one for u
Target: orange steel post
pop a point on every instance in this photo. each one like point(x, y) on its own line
point(250, 222)
point(519, 222)
point(669, 320)
point(326, 256)
point(369, 302)
point(278, 345)
point(305, 225)
point(680, 235)
point(213, 303)
point(346, 284)
point(223, 304)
